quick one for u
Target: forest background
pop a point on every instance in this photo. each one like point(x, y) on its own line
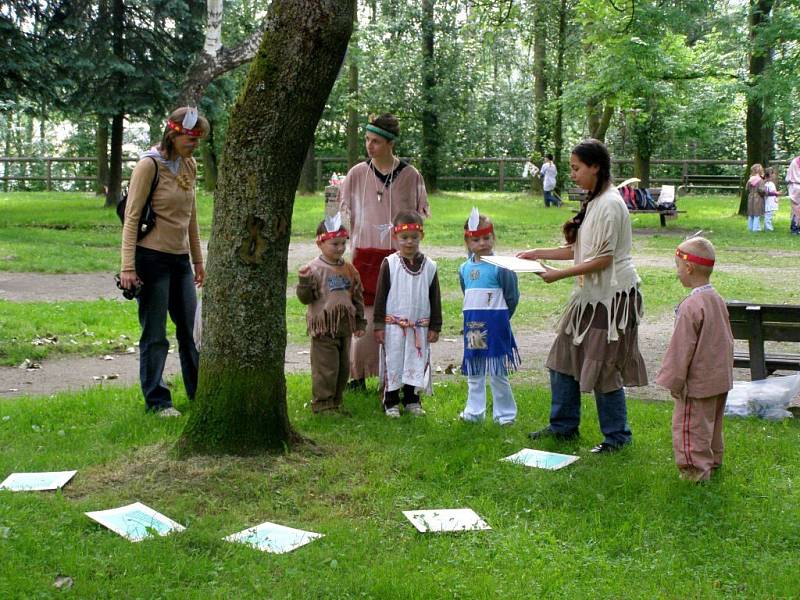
point(653, 78)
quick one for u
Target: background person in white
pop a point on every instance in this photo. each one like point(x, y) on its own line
point(548, 173)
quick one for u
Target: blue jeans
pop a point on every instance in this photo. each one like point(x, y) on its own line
point(565, 410)
point(754, 223)
point(550, 198)
point(168, 287)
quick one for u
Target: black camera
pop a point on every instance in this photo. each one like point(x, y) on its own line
point(129, 293)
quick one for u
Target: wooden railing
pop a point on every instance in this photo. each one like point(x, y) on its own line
point(496, 173)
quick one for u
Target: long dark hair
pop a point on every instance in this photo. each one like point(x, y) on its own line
point(590, 152)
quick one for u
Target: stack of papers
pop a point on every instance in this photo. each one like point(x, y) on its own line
point(541, 459)
point(135, 521)
point(36, 482)
point(512, 263)
point(274, 538)
point(445, 519)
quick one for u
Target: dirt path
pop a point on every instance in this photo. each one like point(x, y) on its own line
point(122, 369)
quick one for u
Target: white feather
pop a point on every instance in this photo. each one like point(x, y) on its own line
point(190, 118)
point(474, 219)
point(333, 223)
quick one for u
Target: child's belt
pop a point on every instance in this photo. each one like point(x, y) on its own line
point(408, 324)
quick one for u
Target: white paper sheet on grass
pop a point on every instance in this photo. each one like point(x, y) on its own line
point(541, 459)
point(512, 263)
point(445, 519)
point(36, 482)
point(135, 521)
point(274, 538)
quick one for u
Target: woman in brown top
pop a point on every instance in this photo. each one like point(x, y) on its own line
point(371, 196)
point(161, 261)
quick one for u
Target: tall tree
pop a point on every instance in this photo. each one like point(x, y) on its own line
point(758, 130)
point(241, 401)
point(429, 165)
point(117, 120)
point(540, 76)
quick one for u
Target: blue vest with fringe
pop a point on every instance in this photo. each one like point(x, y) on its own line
point(489, 345)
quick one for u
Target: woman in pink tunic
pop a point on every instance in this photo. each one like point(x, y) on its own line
point(371, 196)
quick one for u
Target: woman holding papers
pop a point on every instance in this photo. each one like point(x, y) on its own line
point(596, 346)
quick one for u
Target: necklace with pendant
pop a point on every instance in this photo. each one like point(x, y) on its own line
point(385, 184)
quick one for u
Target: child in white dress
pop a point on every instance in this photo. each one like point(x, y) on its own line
point(407, 317)
point(771, 194)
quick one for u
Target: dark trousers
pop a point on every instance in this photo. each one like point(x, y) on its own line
point(565, 410)
point(392, 398)
point(168, 287)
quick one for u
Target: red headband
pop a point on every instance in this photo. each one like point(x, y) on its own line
point(333, 234)
point(479, 232)
point(177, 127)
point(699, 260)
point(408, 227)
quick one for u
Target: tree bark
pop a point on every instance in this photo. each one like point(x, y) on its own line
point(101, 152)
point(308, 175)
point(241, 401)
point(353, 139)
point(558, 125)
point(209, 161)
point(757, 130)
point(429, 163)
point(113, 192)
point(598, 119)
point(539, 78)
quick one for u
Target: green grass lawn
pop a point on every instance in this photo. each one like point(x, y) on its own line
point(72, 232)
point(612, 526)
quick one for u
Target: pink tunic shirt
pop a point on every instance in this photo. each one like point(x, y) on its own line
point(699, 358)
point(371, 203)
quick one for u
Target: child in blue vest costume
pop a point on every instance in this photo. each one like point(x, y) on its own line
point(491, 295)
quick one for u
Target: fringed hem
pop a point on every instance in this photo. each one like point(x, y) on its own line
point(491, 365)
point(329, 322)
point(617, 310)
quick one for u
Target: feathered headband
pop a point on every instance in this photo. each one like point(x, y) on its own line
point(333, 228)
point(186, 127)
point(472, 225)
point(407, 227)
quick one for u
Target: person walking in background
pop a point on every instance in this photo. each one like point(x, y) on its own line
point(162, 261)
point(549, 175)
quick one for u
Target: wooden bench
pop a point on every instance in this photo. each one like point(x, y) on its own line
point(579, 195)
point(758, 323)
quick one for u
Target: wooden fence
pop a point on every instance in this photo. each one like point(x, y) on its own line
point(492, 173)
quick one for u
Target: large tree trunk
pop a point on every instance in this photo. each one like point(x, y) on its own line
point(101, 152)
point(115, 170)
point(558, 125)
point(539, 78)
point(353, 139)
point(599, 118)
point(757, 131)
point(429, 165)
point(241, 401)
point(209, 161)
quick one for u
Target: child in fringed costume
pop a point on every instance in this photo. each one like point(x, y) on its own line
point(408, 317)
point(755, 197)
point(698, 366)
point(331, 288)
point(491, 295)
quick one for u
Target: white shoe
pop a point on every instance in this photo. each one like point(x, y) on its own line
point(415, 409)
point(169, 412)
point(393, 412)
point(465, 419)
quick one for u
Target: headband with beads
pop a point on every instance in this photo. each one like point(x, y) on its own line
point(186, 127)
point(698, 260)
point(407, 227)
point(333, 228)
point(472, 225)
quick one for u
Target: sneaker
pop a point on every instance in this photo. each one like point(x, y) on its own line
point(465, 419)
point(604, 448)
point(506, 423)
point(357, 385)
point(547, 432)
point(415, 409)
point(169, 412)
point(393, 412)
